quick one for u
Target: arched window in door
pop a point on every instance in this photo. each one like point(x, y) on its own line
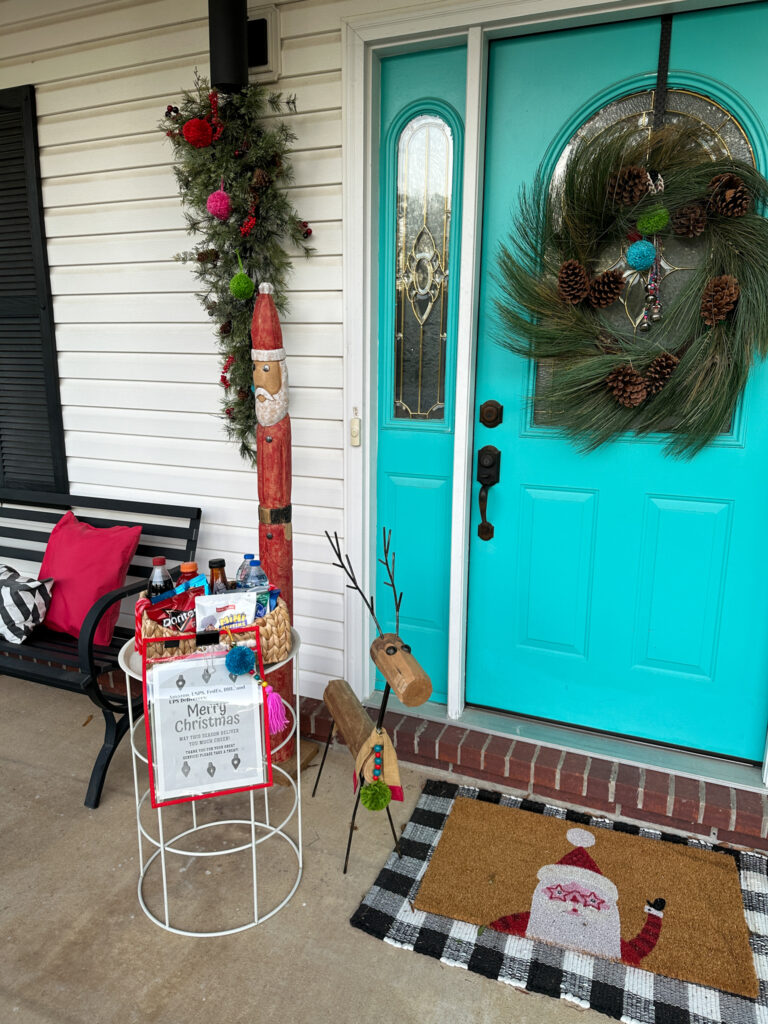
point(422, 248)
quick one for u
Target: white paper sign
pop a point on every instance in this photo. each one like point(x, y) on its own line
point(206, 728)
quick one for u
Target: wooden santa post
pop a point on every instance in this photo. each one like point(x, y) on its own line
point(273, 466)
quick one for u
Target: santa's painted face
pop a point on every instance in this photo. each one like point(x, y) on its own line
point(270, 385)
point(578, 910)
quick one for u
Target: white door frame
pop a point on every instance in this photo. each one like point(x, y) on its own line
point(365, 40)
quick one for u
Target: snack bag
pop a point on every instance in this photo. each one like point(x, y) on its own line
point(230, 610)
point(173, 616)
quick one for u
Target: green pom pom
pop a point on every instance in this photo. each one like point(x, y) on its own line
point(653, 221)
point(241, 287)
point(375, 795)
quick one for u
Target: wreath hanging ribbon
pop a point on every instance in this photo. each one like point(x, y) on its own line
point(580, 246)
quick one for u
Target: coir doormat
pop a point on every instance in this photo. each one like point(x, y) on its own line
point(643, 926)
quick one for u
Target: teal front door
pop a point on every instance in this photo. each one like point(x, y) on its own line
point(623, 590)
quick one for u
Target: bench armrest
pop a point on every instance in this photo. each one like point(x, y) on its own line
point(92, 619)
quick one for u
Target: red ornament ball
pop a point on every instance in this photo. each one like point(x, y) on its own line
point(198, 132)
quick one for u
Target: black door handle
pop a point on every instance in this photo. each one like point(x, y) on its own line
point(488, 470)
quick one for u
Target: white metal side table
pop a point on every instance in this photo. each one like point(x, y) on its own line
point(259, 827)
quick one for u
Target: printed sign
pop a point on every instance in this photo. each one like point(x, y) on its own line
point(205, 730)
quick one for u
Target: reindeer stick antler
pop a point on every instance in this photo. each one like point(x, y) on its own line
point(349, 572)
point(387, 537)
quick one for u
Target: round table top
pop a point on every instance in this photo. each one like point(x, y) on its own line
point(129, 658)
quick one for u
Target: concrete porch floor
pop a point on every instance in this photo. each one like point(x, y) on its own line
point(78, 948)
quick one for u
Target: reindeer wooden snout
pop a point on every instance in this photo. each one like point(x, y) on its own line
point(393, 658)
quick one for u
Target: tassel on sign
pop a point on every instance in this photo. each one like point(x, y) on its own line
point(276, 716)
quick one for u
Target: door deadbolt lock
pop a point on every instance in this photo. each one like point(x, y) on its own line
point(488, 471)
point(491, 413)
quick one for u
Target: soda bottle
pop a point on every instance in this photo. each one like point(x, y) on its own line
point(218, 578)
point(242, 572)
point(160, 580)
point(256, 578)
point(188, 572)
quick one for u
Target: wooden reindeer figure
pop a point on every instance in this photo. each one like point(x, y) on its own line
point(377, 776)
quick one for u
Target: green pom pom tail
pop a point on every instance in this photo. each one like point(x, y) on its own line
point(654, 221)
point(375, 795)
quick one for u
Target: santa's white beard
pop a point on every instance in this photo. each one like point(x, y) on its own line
point(274, 407)
point(588, 929)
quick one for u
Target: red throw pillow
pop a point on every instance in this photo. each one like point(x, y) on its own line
point(86, 562)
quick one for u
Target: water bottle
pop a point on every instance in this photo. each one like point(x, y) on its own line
point(160, 580)
point(242, 572)
point(256, 578)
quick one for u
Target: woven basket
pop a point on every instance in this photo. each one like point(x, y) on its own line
point(274, 633)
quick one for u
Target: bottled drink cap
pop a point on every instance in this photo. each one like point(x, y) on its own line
point(158, 561)
point(247, 558)
point(216, 563)
point(189, 566)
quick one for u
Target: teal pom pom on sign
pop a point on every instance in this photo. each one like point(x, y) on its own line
point(240, 660)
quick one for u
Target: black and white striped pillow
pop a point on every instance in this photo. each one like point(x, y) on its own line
point(23, 603)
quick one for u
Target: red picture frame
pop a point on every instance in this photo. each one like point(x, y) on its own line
point(198, 655)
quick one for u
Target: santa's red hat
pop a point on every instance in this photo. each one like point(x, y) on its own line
point(578, 866)
point(266, 335)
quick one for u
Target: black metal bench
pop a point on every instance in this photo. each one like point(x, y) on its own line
point(69, 663)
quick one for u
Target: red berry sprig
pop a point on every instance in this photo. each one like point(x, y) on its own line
point(218, 125)
point(306, 230)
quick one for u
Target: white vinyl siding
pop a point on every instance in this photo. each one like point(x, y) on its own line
point(137, 355)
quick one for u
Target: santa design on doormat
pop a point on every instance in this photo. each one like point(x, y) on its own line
point(575, 906)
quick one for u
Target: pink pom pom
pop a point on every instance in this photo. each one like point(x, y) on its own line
point(219, 204)
point(276, 715)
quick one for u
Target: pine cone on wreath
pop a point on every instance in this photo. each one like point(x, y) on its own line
point(627, 386)
point(729, 196)
point(690, 220)
point(628, 186)
point(261, 178)
point(208, 256)
point(572, 282)
point(659, 372)
point(606, 288)
point(720, 296)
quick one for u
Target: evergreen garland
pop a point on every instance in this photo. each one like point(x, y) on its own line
point(223, 143)
point(684, 376)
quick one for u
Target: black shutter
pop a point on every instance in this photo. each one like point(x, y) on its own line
point(31, 432)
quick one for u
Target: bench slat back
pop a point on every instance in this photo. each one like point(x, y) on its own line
point(27, 518)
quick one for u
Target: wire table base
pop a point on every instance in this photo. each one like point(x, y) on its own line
point(258, 828)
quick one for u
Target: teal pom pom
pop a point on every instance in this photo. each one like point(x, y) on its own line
point(240, 660)
point(640, 255)
point(653, 221)
point(241, 287)
point(375, 796)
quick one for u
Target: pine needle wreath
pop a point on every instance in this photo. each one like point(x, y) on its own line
point(229, 149)
point(694, 360)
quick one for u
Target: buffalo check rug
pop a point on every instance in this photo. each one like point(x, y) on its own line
point(643, 926)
